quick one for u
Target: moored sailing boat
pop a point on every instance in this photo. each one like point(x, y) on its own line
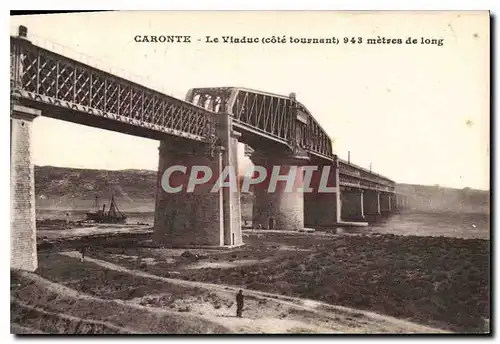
point(113, 215)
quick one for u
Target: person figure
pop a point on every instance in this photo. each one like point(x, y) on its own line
point(271, 223)
point(82, 252)
point(239, 303)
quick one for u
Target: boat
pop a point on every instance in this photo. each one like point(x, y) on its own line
point(113, 215)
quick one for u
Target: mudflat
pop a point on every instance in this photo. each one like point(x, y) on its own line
point(305, 282)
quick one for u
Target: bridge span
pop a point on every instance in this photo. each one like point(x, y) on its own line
point(204, 129)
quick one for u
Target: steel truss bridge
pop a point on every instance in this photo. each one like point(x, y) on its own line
point(76, 92)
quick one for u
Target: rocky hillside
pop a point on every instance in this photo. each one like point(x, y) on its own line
point(441, 199)
point(71, 188)
point(86, 184)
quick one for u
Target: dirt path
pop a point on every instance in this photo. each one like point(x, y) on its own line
point(264, 318)
point(231, 323)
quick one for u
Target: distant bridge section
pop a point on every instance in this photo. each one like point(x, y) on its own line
point(354, 176)
point(286, 121)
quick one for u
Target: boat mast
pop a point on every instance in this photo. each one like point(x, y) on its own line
point(96, 203)
point(111, 200)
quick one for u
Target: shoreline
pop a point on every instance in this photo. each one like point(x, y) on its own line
point(455, 224)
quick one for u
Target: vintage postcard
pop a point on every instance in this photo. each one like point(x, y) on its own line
point(250, 172)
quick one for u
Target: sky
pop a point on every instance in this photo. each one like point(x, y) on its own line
point(418, 113)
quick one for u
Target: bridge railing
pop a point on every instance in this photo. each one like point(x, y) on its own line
point(40, 75)
point(346, 181)
point(364, 178)
point(319, 142)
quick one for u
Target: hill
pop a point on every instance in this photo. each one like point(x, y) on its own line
point(135, 190)
point(62, 188)
point(87, 183)
point(72, 188)
point(436, 198)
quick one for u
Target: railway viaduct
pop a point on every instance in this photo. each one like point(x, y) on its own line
point(203, 129)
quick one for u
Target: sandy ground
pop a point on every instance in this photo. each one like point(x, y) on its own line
point(436, 282)
point(444, 281)
point(272, 313)
point(126, 318)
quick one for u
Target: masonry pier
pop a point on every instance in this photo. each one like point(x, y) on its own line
point(371, 204)
point(200, 133)
point(394, 202)
point(385, 203)
point(322, 202)
point(352, 204)
point(208, 214)
point(283, 208)
point(22, 190)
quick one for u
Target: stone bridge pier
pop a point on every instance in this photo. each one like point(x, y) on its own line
point(23, 253)
point(385, 202)
point(402, 202)
point(371, 203)
point(206, 214)
point(322, 200)
point(283, 207)
point(394, 202)
point(352, 204)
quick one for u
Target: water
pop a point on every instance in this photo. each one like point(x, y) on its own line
point(461, 225)
point(85, 231)
point(78, 215)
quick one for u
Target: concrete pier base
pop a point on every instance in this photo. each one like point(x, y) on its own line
point(207, 215)
point(385, 203)
point(23, 253)
point(322, 205)
point(352, 205)
point(371, 204)
point(394, 202)
point(279, 209)
point(188, 218)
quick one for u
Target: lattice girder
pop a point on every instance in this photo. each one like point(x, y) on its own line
point(272, 115)
point(40, 75)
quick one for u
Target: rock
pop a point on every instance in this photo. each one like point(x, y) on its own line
point(189, 255)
